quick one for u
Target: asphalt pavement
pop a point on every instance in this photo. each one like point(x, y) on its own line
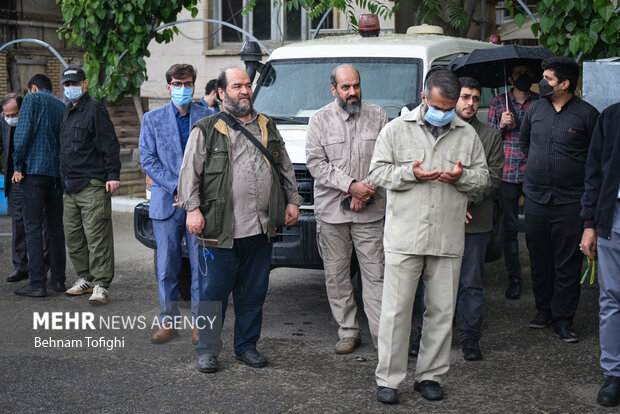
point(523, 371)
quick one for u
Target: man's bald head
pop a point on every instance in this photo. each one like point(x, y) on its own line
point(343, 70)
point(234, 89)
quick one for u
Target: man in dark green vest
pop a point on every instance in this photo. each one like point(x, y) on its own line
point(235, 199)
point(470, 302)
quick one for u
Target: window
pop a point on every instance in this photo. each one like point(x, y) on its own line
point(388, 82)
point(268, 21)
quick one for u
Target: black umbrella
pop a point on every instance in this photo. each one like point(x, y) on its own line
point(488, 66)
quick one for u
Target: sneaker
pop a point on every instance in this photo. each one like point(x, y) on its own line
point(347, 345)
point(80, 287)
point(100, 296)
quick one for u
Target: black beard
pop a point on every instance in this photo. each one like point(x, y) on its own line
point(235, 108)
point(351, 109)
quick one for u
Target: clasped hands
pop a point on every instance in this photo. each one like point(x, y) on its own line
point(360, 193)
point(449, 177)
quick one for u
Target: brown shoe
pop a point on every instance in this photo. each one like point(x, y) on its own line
point(195, 337)
point(165, 333)
point(347, 345)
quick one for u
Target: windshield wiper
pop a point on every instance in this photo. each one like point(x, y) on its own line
point(288, 120)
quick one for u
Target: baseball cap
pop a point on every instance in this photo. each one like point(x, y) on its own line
point(73, 74)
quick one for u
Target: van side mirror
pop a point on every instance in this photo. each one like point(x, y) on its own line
point(251, 55)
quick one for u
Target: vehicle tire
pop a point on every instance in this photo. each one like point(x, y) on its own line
point(184, 278)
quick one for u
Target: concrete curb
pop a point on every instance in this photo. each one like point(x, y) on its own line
point(125, 204)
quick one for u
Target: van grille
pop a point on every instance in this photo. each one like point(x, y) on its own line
point(305, 183)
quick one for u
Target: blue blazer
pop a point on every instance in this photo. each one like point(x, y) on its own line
point(161, 155)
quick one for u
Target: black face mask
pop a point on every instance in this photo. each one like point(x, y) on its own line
point(523, 82)
point(546, 90)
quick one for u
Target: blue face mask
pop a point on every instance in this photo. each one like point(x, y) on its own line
point(73, 93)
point(181, 95)
point(439, 118)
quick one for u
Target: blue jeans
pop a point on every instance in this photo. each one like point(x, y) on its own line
point(609, 299)
point(244, 272)
point(169, 235)
point(470, 302)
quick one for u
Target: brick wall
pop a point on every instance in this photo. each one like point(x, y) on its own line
point(4, 75)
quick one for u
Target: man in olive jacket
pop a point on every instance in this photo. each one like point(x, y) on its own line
point(234, 203)
point(470, 302)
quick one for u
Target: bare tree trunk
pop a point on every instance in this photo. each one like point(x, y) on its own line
point(137, 102)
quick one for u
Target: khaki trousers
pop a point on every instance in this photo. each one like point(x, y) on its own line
point(88, 233)
point(336, 243)
point(441, 280)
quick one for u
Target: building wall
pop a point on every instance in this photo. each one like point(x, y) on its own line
point(195, 45)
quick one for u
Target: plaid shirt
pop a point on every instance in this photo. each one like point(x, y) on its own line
point(37, 142)
point(514, 164)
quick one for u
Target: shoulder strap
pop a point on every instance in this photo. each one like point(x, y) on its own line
point(234, 124)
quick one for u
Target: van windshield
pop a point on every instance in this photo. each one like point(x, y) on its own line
point(297, 88)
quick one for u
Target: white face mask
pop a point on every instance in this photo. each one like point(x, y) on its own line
point(11, 121)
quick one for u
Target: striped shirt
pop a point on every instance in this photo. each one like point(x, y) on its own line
point(37, 142)
point(556, 146)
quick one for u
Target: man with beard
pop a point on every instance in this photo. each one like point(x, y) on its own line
point(349, 211)
point(508, 121)
point(428, 161)
point(232, 194)
point(470, 301)
point(555, 136)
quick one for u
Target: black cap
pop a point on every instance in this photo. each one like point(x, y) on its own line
point(73, 74)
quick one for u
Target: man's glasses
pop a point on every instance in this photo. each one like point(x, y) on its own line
point(188, 84)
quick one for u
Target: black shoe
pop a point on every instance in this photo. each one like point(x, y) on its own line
point(252, 358)
point(540, 321)
point(414, 348)
point(29, 290)
point(565, 333)
point(513, 291)
point(471, 351)
point(56, 286)
point(431, 390)
point(609, 394)
point(387, 395)
point(207, 364)
point(17, 276)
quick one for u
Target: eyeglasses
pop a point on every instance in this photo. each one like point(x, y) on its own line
point(188, 84)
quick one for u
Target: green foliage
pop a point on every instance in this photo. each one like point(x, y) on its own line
point(429, 10)
point(570, 27)
point(107, 28)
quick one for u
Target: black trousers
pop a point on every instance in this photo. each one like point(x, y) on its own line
point(553, 233)
point(510, 194)
point(42, 202)
point(20, 252)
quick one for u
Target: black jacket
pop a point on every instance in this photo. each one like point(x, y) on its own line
point(603, 173)
point(88, 145)
point(6, 146)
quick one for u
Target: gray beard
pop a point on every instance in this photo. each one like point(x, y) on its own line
point(351, 109)
point(237, 110)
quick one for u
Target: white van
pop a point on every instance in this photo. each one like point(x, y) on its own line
point(294, 84)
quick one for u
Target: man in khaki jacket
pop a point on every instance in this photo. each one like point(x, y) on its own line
point(341, 138)
point(428, 161)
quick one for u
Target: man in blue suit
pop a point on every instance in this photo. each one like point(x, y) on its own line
point(163, 137)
